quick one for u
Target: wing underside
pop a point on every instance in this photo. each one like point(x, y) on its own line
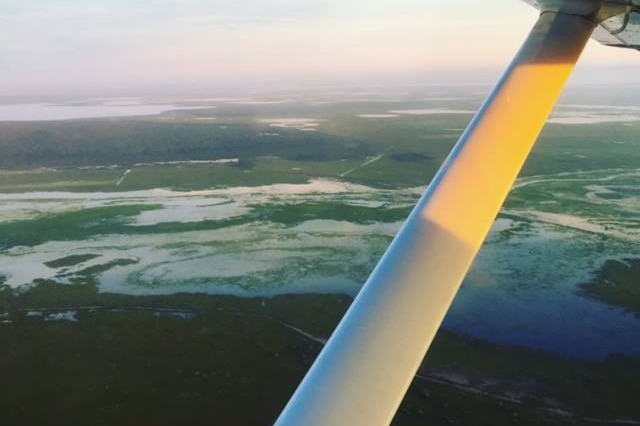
point(619, 19)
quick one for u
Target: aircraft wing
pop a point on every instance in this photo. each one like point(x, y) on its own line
point(619, 19)
point(620, 31)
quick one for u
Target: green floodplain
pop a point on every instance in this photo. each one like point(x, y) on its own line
point(167, 291)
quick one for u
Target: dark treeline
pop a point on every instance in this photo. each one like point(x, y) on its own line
point(104, 142)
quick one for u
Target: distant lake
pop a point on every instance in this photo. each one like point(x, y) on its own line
point(45, 111)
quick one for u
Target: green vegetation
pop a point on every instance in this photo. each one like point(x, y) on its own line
point(200, 359)
point(569, 148)
point(184, 177)
point(189, 358)
point(617, 283)
point(413, 147)
point(126, 142)
point(292, 214)
point(83, 224)
point(67, 226)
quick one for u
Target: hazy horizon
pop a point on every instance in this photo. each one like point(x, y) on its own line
point(59, 47)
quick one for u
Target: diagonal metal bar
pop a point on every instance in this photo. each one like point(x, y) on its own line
point(363, 372)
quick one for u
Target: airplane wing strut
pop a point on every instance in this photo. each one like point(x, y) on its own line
point(363, 372)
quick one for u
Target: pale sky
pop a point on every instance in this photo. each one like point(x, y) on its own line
point(58, 45)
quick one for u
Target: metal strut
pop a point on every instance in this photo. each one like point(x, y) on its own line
point(363, 372)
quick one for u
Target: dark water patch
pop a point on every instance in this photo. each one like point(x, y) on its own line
point(244, 164)
point(70, 260)
point(98, 269)
point(628, 191)
point(410, 157)
point(616, 283)
point(611, 196)
point(525, 292)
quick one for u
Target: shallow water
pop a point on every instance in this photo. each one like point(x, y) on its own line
point(523, 289)
point(42, 112)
